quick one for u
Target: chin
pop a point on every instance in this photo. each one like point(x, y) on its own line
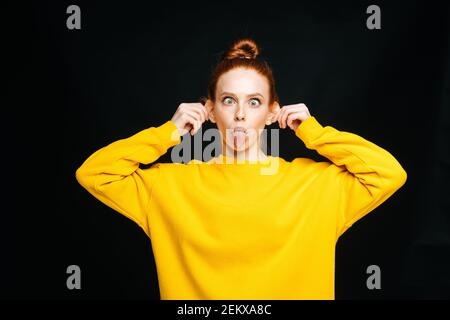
point(237, 149)
point(242, 149)
point(245, 147)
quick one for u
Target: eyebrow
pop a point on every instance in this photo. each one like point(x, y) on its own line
point(249, 95)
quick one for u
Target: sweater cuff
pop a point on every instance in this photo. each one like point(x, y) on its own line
point(169, 135)
point(309, 129)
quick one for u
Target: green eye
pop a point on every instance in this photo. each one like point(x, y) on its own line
point(255, 102)
point(228, 100)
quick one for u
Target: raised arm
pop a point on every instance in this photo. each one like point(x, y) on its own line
point(368, 176)
point(112, 174)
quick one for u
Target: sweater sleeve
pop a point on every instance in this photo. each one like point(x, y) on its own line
point(112, 173)
point(369, 174)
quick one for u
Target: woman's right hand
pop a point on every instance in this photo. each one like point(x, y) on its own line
point(189, 117)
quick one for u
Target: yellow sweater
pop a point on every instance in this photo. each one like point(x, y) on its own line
point(264, 230)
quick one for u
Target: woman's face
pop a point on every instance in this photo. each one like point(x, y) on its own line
point(242, 100)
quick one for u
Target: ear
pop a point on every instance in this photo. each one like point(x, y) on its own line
point(272, 116)
point(209, 105)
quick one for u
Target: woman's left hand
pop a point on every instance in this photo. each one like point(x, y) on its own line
point(292, 115)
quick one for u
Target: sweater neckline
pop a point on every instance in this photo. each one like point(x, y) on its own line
point(230, 161)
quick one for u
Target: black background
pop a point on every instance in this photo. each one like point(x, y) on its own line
point(131, 65)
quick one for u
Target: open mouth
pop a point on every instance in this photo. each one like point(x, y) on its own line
point(239, 136)
point(240, 129)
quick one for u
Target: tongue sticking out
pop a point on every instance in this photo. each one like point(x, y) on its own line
point(239, 138)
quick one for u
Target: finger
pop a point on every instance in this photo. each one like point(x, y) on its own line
point(196, 127)
point(303, 108)
point(201, 109)
point(204, 112)
point(195, 114)
point(277, 116)
point(199, 114)
point(286, 113)
point(194, 111)
point(293, 116)
point(190, 121)
point(295, 107)
point(280, 114)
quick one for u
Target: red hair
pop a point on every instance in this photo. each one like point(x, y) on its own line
point(243, 53)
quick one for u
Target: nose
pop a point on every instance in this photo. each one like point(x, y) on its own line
point(240, 115)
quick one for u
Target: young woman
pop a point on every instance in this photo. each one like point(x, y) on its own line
point(226, 228)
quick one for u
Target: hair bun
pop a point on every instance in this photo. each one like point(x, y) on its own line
point(242, 48)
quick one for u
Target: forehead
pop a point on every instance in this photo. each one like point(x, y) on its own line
point(243, 81)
